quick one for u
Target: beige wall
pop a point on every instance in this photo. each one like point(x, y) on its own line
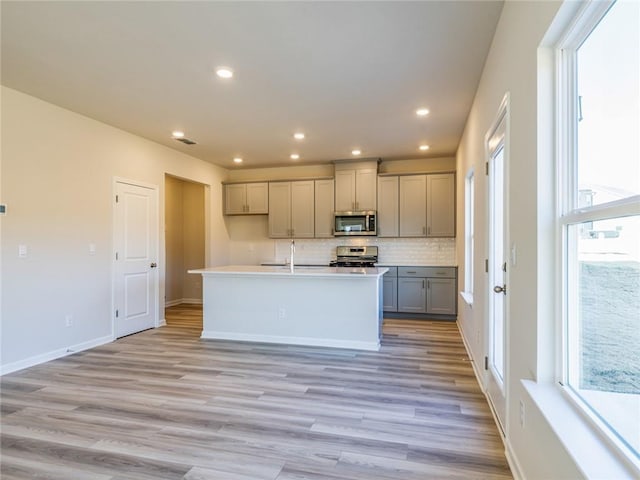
point(294, 172)
point(512, 67)
point(423, 165)
point(184, 235)
point(174, 239)
point(281, 173)
point(193, 235)
point(58, 171)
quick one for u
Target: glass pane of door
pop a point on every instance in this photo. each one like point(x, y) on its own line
point(498, 264)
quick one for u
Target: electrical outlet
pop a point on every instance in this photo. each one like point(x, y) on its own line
point(282, 313)
point(521, 413)
point(68, 320)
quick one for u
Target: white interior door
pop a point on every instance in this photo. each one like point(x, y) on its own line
point(497, 272)
point(136, 245)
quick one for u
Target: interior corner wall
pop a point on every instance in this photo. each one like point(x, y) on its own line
point(174, 240)
point(511, 66)
point(58, 171)
point(193, 240)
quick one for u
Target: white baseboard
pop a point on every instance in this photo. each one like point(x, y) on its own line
point(192, 301)
point(313, 342)
point(511, 457)
point(46, 357)
point(180, 301)
point(512, 460)
point(162, 322)
point(474, 364)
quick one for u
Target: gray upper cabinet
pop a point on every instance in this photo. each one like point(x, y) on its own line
point(413, 206)
point(324, 201)
point(441, 205)
point(246, 199)
point(427, 205)
point(355, 185)
point(388, 210)
point(291, 209)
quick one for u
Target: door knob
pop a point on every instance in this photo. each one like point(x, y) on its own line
point(499, 289)
point(154, 265)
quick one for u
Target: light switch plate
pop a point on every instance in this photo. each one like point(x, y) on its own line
point(22, 251)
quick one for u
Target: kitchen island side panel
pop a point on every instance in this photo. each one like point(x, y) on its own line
point(342, 311)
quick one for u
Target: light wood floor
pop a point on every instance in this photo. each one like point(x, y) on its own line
point(164, 404)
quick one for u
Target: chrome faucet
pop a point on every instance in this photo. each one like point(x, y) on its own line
point(293, 250)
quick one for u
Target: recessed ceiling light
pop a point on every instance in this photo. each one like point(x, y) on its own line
point(177, 134)
point(237, 160)
point(424, 147)
point(295, 156)
point(355, 152)
point(298, 136)
point(422, 112)
point(224, 72)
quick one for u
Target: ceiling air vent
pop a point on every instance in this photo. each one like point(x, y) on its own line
point(186, 141)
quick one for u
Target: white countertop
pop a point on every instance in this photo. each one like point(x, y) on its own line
point(414, 264)
point(334, 272)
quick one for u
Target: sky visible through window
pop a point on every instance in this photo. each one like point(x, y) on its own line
point(605, 361)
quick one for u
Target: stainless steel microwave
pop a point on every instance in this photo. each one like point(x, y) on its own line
point(354, 223)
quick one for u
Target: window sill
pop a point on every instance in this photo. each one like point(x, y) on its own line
point(467, 297)
point(586, 446)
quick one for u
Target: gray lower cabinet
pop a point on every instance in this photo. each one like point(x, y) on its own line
point(390, 290)
point(430, 290)
point(441, 296)
point(412, 295)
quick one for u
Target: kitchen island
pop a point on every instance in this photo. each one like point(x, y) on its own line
point(322, 306)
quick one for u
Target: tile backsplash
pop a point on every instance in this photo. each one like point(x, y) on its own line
point(391, 251)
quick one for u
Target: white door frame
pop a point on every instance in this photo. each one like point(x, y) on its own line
point(496, 391)
point(156, 293)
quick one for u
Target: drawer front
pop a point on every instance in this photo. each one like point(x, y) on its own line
point(393, 272)
point(441, 272)
point(421, 272)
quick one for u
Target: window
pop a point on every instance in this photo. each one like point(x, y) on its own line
point(469, 190)
point(599, 223)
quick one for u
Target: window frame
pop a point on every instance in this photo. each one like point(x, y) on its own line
point(568, 210)
point(469, 232)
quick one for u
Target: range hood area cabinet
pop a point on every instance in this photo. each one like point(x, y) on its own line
point(355, 185)
point(324, 208)
point(388, 209)
point(246, 198)
point(291, 209)
point(417, 205)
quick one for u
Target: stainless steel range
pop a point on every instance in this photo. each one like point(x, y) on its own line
point(360, 257)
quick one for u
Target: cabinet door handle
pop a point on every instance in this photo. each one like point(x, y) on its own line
point(423, 283)
point(428, 230)
point(424, 231)
point(411, 273)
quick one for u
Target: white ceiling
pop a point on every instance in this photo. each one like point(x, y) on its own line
point(348, 74)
